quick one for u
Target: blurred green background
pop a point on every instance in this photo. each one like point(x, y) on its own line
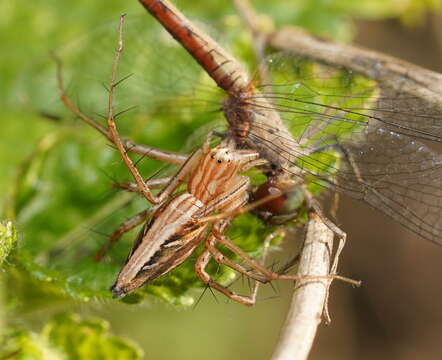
point(54, 186)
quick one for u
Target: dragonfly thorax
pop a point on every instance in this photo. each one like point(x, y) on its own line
point(237, 113)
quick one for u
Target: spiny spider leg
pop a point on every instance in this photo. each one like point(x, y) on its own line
point(220, 258)
point(211, 251)
point(145, 190)
point(221, 226)
point(115, 138)
point(223, 260)
point(151, 152)
point(271, 275)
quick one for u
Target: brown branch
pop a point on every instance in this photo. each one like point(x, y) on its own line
point(310, 296)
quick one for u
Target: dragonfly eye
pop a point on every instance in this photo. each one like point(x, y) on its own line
point(287, 204)
point(274, 206)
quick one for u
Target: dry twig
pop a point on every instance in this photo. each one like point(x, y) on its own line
point(310, 296)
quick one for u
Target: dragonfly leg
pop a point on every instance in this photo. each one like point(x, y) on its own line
point(340, 234)
point(341, 149)
point(283, 219)
point(124, 227)
point(313, 204)
point(254, 163)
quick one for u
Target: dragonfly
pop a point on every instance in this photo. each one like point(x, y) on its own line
point(352, 136)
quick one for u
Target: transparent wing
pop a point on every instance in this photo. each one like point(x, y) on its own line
point(300, 88)
point(357, 138)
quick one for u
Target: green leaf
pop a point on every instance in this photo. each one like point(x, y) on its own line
point(24, 345)
point(68, 336)
point(8, 237)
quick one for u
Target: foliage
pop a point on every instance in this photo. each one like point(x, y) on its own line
point(68, 336)
point(8, 237)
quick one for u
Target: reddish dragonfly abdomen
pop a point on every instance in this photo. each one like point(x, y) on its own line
point(223, 68)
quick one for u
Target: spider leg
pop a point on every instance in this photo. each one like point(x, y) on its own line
point(200, 269)
point(271, 275)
